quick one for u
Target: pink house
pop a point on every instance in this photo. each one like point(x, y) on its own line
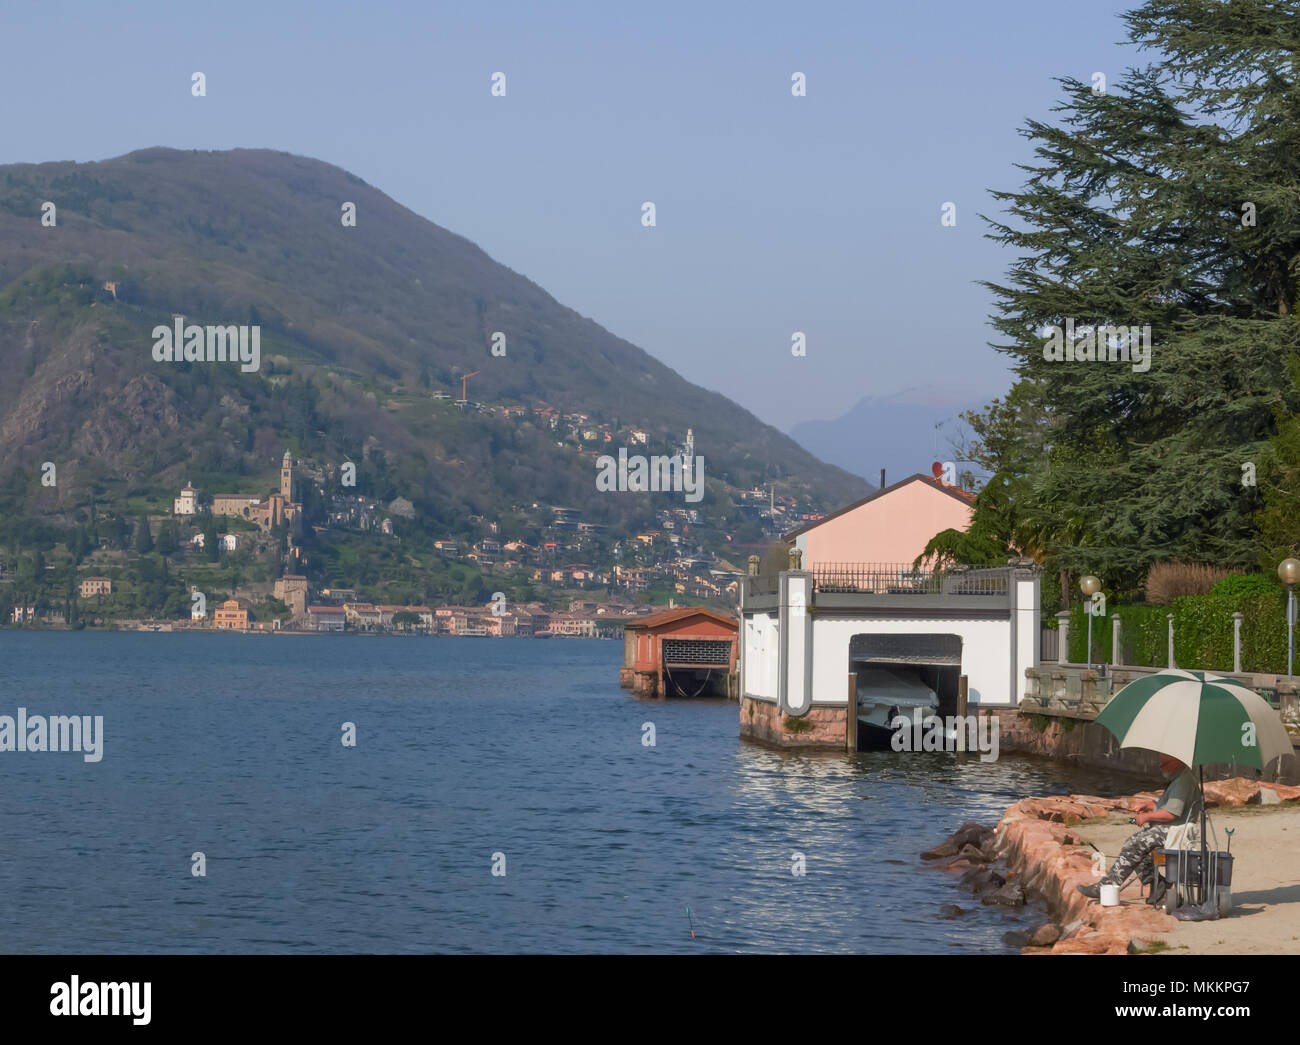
point(893, 525)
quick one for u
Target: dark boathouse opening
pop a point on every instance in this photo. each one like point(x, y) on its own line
point(896, 674)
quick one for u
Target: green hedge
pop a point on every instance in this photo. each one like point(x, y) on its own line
point(1202, 631)
point(1143, 635)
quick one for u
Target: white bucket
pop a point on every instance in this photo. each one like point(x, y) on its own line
point(1110, 896)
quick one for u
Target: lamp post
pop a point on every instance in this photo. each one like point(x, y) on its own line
point(1288, 571)
point(1089, 585)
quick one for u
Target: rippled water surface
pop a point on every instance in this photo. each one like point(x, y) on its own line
point(230, 745)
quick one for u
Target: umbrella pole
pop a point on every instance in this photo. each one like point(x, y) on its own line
point(1205, 851)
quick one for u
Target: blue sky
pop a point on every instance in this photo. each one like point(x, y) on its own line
point(775, 213)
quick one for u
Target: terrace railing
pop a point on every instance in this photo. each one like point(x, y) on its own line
point(874, 578)
point(883, 578)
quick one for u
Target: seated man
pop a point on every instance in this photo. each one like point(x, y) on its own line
point(1180, 803)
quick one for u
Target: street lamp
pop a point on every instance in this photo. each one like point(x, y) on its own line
point(1288, 571)
point(1089, 585)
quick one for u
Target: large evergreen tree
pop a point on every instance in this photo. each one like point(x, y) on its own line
point(1172, 202)
point(143, 536)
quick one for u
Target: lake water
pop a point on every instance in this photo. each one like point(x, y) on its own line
point(231, 746)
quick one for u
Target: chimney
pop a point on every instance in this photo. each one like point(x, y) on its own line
point(882, 478)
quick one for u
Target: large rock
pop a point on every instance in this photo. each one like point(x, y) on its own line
point(943, 849)
point(1045, 935)
point(981, 880)
point(1235, 792)
point(1010, 895)
point(971, 834)
point(1093, 943)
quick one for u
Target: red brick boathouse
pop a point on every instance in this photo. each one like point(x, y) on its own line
point(684, 652)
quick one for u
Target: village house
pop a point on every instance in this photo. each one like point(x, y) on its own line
point(387, 612)
point(234, 503)
point(95, 586)
point(291, 589)
point(363, 616)
point(231, 616)
point(326, 618)
point(892, 525)
point(573, 625)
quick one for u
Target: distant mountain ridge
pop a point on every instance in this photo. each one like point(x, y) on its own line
point(359, 325)
point(895, 432)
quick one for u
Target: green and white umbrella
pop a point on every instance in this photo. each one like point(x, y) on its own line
point(1198, 718)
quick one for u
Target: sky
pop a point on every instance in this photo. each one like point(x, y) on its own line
point(774, 213)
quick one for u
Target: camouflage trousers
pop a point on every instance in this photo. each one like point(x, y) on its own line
point(1136, 855)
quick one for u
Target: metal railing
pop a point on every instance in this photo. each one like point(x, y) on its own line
point(883, 578)
point(873, 578)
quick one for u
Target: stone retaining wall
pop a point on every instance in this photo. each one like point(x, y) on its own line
point(1085, 743)
point(822, 727)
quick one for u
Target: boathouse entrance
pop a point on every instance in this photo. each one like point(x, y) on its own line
point(903, 667)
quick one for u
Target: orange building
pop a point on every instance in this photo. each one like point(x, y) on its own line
point(231, 616)
point(684, 652)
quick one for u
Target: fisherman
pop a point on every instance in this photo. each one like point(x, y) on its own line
point(1180, 803)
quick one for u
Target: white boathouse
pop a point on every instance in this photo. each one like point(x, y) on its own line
point(805, 634)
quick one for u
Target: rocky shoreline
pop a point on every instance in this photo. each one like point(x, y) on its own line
point(1037, 853)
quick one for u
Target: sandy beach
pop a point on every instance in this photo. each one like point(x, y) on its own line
point(1265, 916)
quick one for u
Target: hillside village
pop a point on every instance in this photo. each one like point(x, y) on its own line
point(267, 546)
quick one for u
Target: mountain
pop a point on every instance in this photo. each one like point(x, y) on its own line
point(902, 433)
point(360, 327)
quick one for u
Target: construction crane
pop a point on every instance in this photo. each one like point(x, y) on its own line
point(464, 385)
